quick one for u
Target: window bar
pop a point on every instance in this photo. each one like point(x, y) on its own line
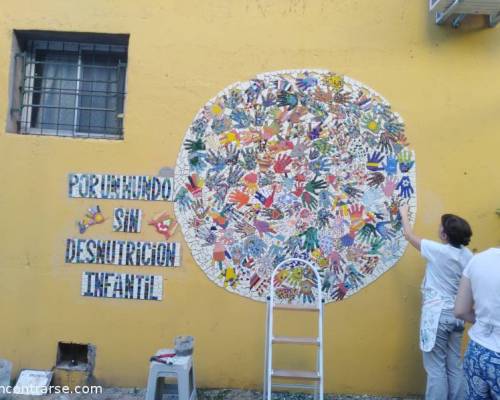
point(29, 99)
point(77, 96)
point(58, 111)
point(66, 63)
point(22, 85)
point(42, 110)
point(43, 83)
point(118, 102)
point(26, 98)
point(94, 78)
point(71, 91)
point(123, 89)
point(58, 105)
point(80, 80)
point(108, 78)
point(25, 111)
point(80, 108)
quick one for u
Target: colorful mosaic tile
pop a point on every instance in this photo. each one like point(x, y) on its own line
point(164, 224)
point(120, 187)
point(306, 164)
point(93, 216)
point(122, 252)
point(122, 286)
point(127, 220)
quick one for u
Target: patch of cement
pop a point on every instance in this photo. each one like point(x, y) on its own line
point(212, 394)
point(5, 372)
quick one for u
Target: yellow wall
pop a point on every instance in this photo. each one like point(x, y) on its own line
point(445, 84)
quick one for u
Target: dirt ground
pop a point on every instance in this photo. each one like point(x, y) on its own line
point(222, 394)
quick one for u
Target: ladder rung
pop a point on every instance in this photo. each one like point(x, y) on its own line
point(295, 307)
point(295, 386)
point(294, 374)
point(296, 340)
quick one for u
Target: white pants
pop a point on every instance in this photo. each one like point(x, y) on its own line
point(445, 377)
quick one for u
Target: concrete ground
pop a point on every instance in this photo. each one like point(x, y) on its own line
point(221, 394)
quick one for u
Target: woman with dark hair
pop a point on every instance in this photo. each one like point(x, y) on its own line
point(440, 332)
point(478, 302)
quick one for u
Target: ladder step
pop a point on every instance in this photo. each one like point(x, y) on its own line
point(313, 386)
point(296, 340)
point(295, 307)
point(294, 374)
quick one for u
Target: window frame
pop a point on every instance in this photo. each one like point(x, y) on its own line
point(21, 106)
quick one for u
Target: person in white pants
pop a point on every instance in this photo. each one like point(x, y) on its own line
point(440, 332)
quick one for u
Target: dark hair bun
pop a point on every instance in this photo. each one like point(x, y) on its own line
point(457, 230)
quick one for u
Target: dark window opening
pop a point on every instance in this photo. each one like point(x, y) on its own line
point(72, 355)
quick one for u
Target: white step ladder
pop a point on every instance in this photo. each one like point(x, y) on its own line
point(315, 379)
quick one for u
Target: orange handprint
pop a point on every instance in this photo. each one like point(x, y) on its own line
point(239, 197)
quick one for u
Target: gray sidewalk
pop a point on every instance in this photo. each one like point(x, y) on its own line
point(221, 394)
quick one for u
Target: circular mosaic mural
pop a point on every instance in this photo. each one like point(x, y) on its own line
point(306, 164)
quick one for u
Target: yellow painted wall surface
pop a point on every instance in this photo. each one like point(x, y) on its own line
point(445, 83)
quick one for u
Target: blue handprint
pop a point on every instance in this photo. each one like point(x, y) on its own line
point(347, 240)
point(307, 82)
point(391, 165)
point(199, 126)
point(254, 90)
point(240, 118)
point(374, 161)
point(183, 199)
point(328, 280)
point(259, 117)
point(254, 246)
point(287, 99)
point(219, 125)
point(320, 165)
point(353, 276)
point(393, 126)
point(405, 166)
point(383, 110)
point(314, 133)
point(292, 244)
point(234, 99)
point(325, 199)
point(385, 232)
point(248, 161)
point(269, 100)
point(274, 251)
point(405, 188)
point(324, 216)
point(319, 110)
point(352, 191)
point(288, 183)
point(216, 160)
point(197, 161)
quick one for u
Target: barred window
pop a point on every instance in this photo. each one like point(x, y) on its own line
point(69, 84)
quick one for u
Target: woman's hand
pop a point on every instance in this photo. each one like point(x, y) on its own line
point(403, 210)
point(409, 235)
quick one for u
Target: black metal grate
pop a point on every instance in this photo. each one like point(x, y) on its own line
point(72, 89)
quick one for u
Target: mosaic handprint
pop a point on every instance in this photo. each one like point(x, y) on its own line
point(306, 164)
